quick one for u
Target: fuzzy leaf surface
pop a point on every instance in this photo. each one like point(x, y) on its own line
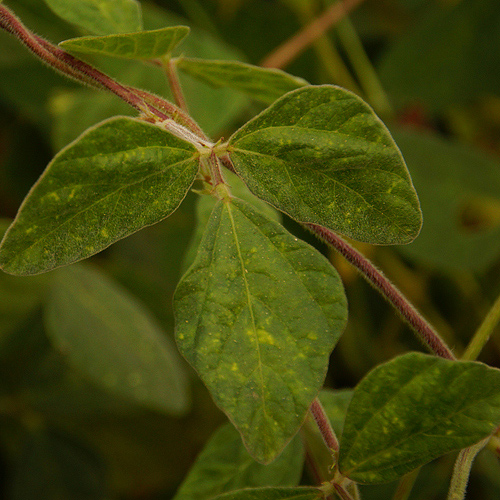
point(102, 17)
point(141, 45)
point(321, 155)
point(262, 84)
point(300, 493)
point(236, 469)
point(413, 409)
point(113, 180)
point(109, 336)
point(258, 314)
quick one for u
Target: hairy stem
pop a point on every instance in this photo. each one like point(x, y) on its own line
point(293, 47)
point(324, 426)
point(461, 471)
point(76, 69)
point(175, 85)
point(374, 276)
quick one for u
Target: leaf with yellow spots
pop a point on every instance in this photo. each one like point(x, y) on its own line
point(257, 315)
point(115, 179)
point(413, 409)
point(112, 339)
point(321, 155)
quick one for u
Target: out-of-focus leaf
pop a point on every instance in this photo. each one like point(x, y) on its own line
point(450, 57)
point(118, 177)
point(262, 84)
point(335, 404)
point(413, 409)
point(459, 191)
point(321, 155)
point(19, 296)
point(111, 338)
point(258, 314)
point(54, 466)
point(142, 45)
point(102, 17)
point(225, 465)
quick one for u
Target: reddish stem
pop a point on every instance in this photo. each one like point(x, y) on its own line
point(324, 426)
point(79, 70)
point(374, 276)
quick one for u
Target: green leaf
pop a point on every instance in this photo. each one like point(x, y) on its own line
point(205, 205)
point(257, 315)
point(262, 84)
point(225, 465)
point(300, 493)
point(459, 189)
point(109, 336)
point(321, 155)
point(448, 58)
point(116, 178)
point(102, 17)
point(142, 45)
point(335, 404)
point(413, 409)
point(19, 297)
point(54, 466)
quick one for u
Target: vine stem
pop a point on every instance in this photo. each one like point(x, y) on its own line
point(175, 85)
point(148, 104)
point(324, 426)
point(374, 276)
point(461, 471)
point(293, 47)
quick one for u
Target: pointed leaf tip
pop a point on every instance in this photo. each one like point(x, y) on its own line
point(413, 409)
point(116, 178)
point(258, 314)
point(141, 45)
point(321, 155)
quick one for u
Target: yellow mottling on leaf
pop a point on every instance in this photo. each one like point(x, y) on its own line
point(312, 336)
point(104, 233)
point(234, 367)
point(265, 337)
point(54, 196)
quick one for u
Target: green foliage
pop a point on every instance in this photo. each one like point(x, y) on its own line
point(142, 45)
point(102, 17)
point(115, 179)
point(448, 192)
point(95, 401)
point(111, 338)
point(272, 494)
point(235, 329)
point(236, 469)
point(265, 85)
point(413, 409)
point(321, 155)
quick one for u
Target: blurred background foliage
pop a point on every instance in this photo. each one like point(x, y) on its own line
point(430, 68)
